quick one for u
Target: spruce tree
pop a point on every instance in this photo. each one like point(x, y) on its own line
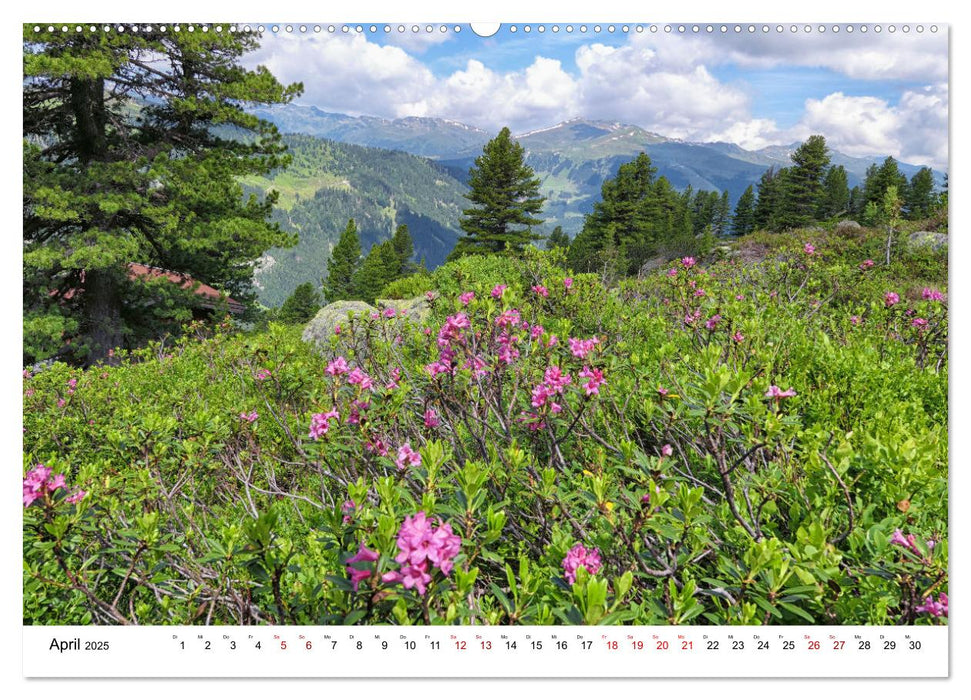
point(557, 239)
point(343, 263)
point(836, 194)
point(134, 144)
point(769, 196)
point(505, 196)
point(380, 267)
point(919, 197)
point(744, 220)
point(301, 306)
point(803, 193)
point(879, 179)
point(404, 249)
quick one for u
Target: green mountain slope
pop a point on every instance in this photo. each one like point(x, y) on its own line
point(329, 183)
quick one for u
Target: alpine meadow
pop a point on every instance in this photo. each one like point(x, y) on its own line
point(295, 355)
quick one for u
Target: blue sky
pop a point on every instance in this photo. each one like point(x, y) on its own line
point(868, 93)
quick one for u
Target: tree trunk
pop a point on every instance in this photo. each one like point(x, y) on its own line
point(102, 306)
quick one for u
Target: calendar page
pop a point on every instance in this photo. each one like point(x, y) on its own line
point(485, 350)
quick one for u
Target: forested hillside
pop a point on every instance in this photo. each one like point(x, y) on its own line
point(329, 183)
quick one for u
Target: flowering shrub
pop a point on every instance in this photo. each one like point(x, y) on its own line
point(576, 455)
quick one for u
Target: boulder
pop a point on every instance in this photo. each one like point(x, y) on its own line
point(847, 226)
point(321, 327)
point(416, 309)
point(927, 239)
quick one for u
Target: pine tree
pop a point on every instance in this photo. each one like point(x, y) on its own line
point(879, 179)
point(836, 194)
point(505, 195)
point(557, 239)
point(134, 144)
point(722, 215)
point(768, 199)
point(404, 248)
point(803, 193)
point(343, 263)
point(380, 267)
point(301, 306)
point(920, 197)
point(744, 220)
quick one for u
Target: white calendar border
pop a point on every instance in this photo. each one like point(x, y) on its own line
point(506, 10)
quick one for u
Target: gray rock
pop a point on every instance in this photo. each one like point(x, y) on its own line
point(321, 327)
point(416, 310)
point(847, 226)
point(927, 239)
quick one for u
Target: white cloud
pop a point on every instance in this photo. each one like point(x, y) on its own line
point(633, 83)
point(868, 56)
point(347, 73)
point(915, 130)
point(659, 82)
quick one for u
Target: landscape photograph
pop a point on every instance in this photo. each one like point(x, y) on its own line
point(550, 324)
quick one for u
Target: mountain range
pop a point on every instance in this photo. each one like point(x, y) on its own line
point(402, 156)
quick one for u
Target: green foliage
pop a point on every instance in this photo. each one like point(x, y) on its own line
point(505, 195)
point(408, 287)
point(108, 181)
point(707, 500)
point(301, 306)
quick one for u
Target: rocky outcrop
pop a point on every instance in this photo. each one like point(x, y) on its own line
point(847, 226)
point(321, 327)
point(416, 310)
point(927, 239)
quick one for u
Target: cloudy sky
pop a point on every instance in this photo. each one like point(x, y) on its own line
point(868, 93)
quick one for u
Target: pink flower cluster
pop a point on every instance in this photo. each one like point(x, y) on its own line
point(320, 423)
point(932, 295)
point(919, 323)
point(466, 298)
point(567, 283)
point(263, 374)
point(431, 418)
point(867, 264)
point(809, 249)
point(581, 348)
point(776, 393)
point(891, 299)
point(908, 542)
point(360, 377)
point(451, 330)
point(937, 608)
point(688, 262)
point(509, 319)
point(554, 382)
point(541, 290)
point(250, 417)
point(580, 556)
point(337, 367)
point(38, 483)
point(407, 457)
point(712, 322)
point(364, 555)
point(595, 377)
point(738, 337)
point(422, 546)
point(498, 291)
